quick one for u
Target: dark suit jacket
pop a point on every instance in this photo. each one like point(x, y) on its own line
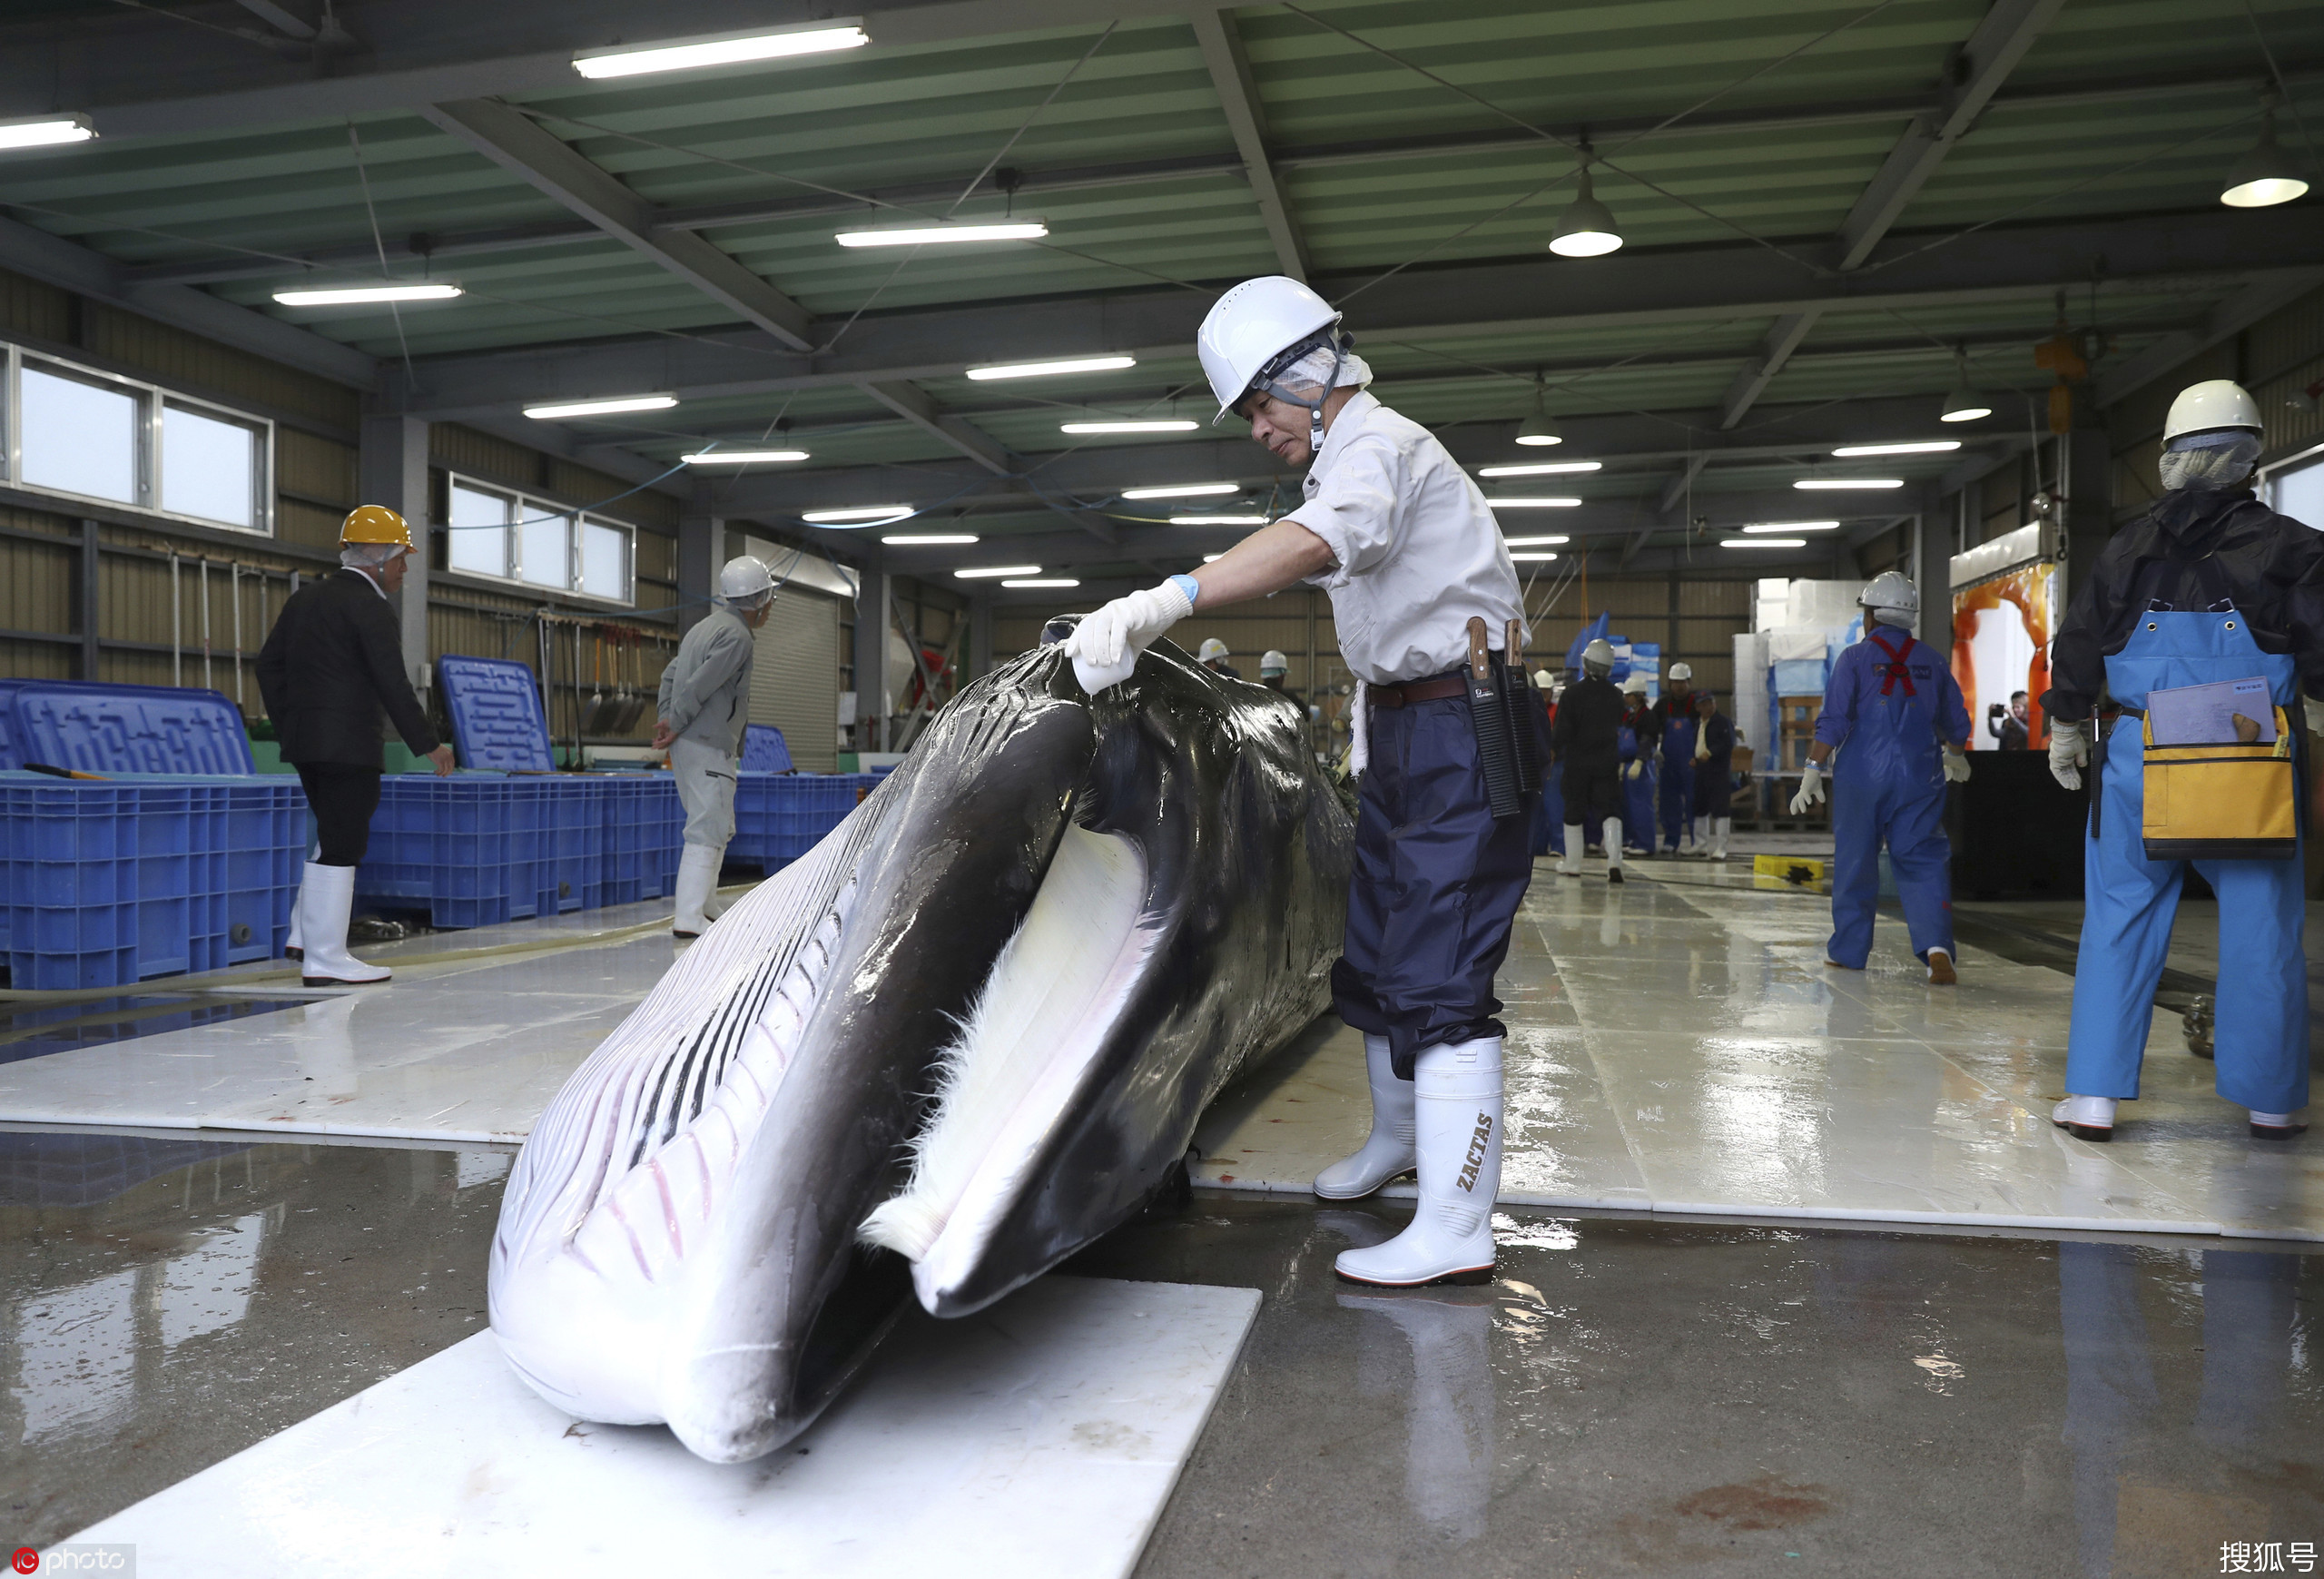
point(1588, 723)
point(333, 661)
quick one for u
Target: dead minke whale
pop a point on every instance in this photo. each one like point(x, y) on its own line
point(965, 1035)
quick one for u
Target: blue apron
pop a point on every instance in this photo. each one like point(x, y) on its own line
point(2129, 901)
point(1679, 780)
point(1638, 793)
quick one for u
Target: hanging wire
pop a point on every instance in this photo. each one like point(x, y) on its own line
point(364, 176)
point(2283, 88)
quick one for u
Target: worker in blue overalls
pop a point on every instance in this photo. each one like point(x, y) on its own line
point(1674, 736)
point(2209, 585)
point(1635, 749)
point(1891, 704)
point(1548, 812)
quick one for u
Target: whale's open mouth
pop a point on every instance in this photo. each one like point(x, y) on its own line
point(1055, 994)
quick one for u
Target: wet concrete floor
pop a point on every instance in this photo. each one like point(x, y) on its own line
point(1633, 1395)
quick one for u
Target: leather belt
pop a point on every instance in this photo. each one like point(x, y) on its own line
point(1411, 691)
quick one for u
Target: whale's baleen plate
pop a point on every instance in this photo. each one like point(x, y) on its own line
point(965, 1035)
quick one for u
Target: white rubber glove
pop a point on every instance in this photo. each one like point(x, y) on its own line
point(1956, 765)
point(1635, 768)
point(1811, 790)
point(1105, 645)
point(2069, 751)
point(2315, 712)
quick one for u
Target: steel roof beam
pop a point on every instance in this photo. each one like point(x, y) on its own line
point(1752, 378)
point(1229, 65)
point(35, 252)
point(912, 403)
point(534, 155)
point(2232, 317)
point(1503, 301)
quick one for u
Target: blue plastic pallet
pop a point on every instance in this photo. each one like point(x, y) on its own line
point(112, 729)
point(765, 750)
point(494, 705)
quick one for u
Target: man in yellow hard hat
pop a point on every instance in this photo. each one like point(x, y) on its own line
point(333, 661)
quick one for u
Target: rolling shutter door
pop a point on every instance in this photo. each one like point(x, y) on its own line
point(794, 677)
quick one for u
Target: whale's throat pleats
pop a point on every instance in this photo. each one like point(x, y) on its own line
point(1054, 993)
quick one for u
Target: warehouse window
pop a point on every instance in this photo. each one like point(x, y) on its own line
point(93, 434)
point(2296, 488)
point(515, 537)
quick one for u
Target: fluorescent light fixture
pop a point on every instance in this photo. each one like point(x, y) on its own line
point(1533, 504)
point(1540, 468)
point(1212, 558)
point(1829, 484)
point(348, 295)
point(1532, 558)
point(857, 516)
point(1766, 527)
point(971, 575)
point(945, 235)
point(1762, 542)
point(741, 457)
point(605, 407)
point(929, 540)
point(1536, 542)
point(1036, 581)
point(45, 131)
point(1079, 364)
point(1183, 491)
point(1218, 521)
point(1919, 447)
point(1174, 425)
point(720, 49)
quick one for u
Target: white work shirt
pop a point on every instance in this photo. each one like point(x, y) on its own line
point(1418, 548)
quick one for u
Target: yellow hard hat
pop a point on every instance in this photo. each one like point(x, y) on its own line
point(373, 524)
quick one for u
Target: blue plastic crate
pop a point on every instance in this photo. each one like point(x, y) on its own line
point(164, 831)
point(441, 844)
point(779, 817)
point(665, 816)
point(265, 819)
point(112, 729)
point(68, 867)
point(527, 837)
point(622, 841)
point(573, 867)
point(495, 706)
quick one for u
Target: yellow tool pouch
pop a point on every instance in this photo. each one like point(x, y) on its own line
point(2221, 803)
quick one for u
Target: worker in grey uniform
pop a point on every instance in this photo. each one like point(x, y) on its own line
point(704, 706)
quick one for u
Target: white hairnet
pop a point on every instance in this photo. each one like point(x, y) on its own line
point(1304, 377)
point(2219, 459)
point(370, 556)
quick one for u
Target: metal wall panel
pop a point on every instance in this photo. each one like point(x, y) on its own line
point(794, 677)
point(188, 361)
point(29, 307)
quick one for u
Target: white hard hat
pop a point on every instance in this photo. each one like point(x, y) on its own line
point(2207, 406)
point(1597, 657)
point(1890, 589)
point(1544, 680)
point(1635, 685)
point(1251, 326)
point(1274, 663)
point(1212, 648)
point(1682, 671)
point(745, 579)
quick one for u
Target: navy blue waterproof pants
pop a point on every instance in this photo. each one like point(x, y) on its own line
point(1435, 889)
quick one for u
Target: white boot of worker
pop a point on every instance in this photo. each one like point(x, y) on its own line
point(292, 945)
point(1701, 830)
point(697, 880)
point(1571, 864)
point(1610, 835)
point(2086, 1118)
point(1719, 828)
point(1388, 1149)
point(326, 899)
point(714, 907)
point(1457, 1123)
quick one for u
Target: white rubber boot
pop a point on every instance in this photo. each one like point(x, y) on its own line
point(2086, 1118)
point(1570, 866)
point(1457, 1123)
point(292, 948)
point(698, 879)
point(1388, 1149)
point(1699, 828)
point(2274, 1126)
point(326, 899)
point(1610, 835)
point(1719, 828)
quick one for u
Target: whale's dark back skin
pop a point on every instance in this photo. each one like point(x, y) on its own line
point(680, 1240)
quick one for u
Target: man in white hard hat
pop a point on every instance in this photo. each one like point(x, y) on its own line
point(703, 708)
point(1425, 595)
point(1635, 748)
point(1673, 743)
point(1895, 708)
point(2209, 584)
point(1213, 655)
point(1275, 672)
point(1588, 736)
